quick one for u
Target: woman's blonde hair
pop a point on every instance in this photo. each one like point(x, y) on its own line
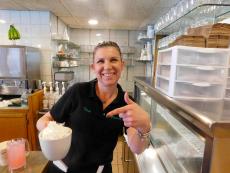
point(106, 44)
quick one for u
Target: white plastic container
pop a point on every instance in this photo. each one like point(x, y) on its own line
point(198, 90)
point(193, 72)
point(164, 70)
point(201, 74)
point(194, 56)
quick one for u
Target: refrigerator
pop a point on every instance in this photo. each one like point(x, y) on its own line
point(19, 68)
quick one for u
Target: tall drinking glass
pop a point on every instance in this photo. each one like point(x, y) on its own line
point(16, 154)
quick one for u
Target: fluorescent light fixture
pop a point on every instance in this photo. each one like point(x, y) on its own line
point(2, 21)
point(93, 22)
point(98, 34)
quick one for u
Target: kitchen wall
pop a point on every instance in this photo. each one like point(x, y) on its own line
point(34, 27)
point(41, 28)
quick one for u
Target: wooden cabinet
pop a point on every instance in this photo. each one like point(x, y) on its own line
point(13, 123)
point(129, 161)
point(20, 122)
point(35, 104)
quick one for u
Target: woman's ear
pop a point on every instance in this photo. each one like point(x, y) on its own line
point(92, 67)
point(123, 64)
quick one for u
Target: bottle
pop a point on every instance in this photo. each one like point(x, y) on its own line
point(45, 98)
point(51, 96)
point(57, 88)
point(24, 97)
point(57, 93)
point(44, 87)
point(51, 87)
point(63, 88)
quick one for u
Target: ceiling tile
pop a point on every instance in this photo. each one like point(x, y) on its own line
point(112, 14)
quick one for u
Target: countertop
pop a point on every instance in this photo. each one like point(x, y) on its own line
point(148, 161)
point(14, 107)
point(36, 163)
point(209, 116)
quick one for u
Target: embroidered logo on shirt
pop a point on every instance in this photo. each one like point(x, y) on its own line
point(86, 109)
point(116, 118)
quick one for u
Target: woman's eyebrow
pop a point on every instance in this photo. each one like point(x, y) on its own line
point(115, 57)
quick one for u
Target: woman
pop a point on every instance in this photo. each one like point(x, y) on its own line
point(97, 111)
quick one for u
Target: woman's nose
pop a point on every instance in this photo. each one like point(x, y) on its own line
point(107, 65)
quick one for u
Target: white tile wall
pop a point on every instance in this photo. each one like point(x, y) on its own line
point(46, 56)
point(45, 31)
point(53, 22)
point(34, 27)
point(5, 15)
point(45, 18)
point(80, 36)
point(15, 17)
point(58, 28)
point(120, 37)
point(25, 17)
point(94, 39)
point(35, 18)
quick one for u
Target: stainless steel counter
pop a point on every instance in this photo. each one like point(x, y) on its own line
point(148, 161)
point(210, 117)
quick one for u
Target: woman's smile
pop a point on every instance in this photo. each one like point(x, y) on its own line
point(107, 66)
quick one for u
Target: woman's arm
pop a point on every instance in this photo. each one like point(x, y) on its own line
point(138, 122)
point(136, 143)
point(44, 121)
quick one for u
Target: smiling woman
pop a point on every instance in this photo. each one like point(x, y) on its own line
point(107, 64)
point(97, 112)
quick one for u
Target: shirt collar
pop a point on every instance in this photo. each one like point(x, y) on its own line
point(92, 92)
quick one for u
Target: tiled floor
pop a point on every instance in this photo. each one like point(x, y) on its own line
point(117, 158)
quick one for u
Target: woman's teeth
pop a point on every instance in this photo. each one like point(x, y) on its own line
point(107, 74)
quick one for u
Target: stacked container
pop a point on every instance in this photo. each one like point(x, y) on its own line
point(192, 72)
point(227, 92)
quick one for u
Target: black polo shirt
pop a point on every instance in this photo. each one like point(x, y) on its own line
point(94, 136)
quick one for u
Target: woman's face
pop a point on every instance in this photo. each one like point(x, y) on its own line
point(107, 65)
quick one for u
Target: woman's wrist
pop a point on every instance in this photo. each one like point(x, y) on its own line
point(144, 132)
point(146, 129)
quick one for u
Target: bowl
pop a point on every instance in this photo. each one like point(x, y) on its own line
point(55, 149)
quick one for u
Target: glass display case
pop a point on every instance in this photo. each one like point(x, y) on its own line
point(207, 13)
point(185, 139)
point(175, 24)
point(180, 148)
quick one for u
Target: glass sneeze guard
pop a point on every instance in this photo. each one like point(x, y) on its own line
point(200, 15)
point(179, 148)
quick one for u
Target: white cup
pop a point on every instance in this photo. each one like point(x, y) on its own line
point(3, 155)
point(55, 149)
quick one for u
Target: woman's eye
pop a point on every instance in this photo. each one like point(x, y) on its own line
point(100, 61)
point(114, 60)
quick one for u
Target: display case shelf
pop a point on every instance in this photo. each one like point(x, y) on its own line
point(144, 39)
point(144, 61)
point(200, 15)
